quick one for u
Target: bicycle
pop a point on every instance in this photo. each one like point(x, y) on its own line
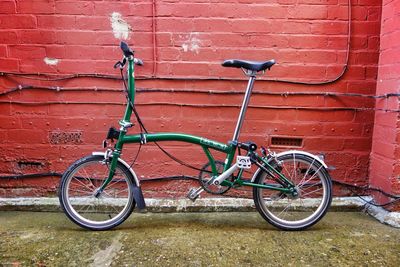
point(292, 190)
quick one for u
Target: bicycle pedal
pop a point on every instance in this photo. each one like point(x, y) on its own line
point(194, 193)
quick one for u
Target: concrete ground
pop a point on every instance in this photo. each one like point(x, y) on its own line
point(196, 239)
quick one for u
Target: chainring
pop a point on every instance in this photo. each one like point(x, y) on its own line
point(205, 176)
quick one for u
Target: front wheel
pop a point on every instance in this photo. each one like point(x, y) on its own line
point(294, 212)
point(78, 198)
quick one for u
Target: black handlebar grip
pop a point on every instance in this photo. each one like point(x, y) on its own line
point(126, 50)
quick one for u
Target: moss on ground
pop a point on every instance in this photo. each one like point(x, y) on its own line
point(197, 239)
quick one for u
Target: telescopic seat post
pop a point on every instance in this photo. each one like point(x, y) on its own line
point(246, 100)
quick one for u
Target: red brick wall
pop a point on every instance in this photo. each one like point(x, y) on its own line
point(177, 39)
point(385, 155)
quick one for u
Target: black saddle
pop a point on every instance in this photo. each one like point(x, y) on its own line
point(249, 65)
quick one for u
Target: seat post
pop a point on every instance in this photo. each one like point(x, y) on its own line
point(245, 103)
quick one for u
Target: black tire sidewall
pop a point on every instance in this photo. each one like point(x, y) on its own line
point(315, 218)
point(67, 210)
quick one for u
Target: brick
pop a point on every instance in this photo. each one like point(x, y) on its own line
point(374, 14)
point(295, 27)
point(300, 72)
point(359, 13)
point(93, 23)
point(361, 43)
point(318, 2)
point(323, 144)
point(385, 118)
point(74, 7)
point(17, 22)
point(79, 37)
point(369, 2)
point(36, 66)
point(3, 51)
point(390, 24)
point(104, 8)
point(7, 64)
point(35, 7)
point(366, 58)
point(21, 136)
point(36, 36)
point(8, 37)
point(305, 12)
point(27, 52)
point(388, 40)
point(340, 129)
point(367, 27)
point(384, 133)
point(337, 13)
point(357, 144)
point(267, 11)
point(50, 22)
point(184, 10)
point(75, 110)
point(356, 72)
point(329, 28)
point(380, 147)
point(7, 7)
point(390, 56)
point(307, 41)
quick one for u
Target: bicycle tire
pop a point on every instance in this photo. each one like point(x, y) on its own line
point(271, 203)
point(83, 177)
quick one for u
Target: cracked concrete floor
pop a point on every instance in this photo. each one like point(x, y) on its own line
point(196, 239)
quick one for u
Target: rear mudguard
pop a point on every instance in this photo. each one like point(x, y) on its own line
point(137, 190)
point(294, 152)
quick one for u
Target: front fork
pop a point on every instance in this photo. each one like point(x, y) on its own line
point(113, 164)
point(114, 155)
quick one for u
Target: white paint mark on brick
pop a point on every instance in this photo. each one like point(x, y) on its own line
point(192, 43)
point(185, 47)
point(51, 61)
point(121, 29)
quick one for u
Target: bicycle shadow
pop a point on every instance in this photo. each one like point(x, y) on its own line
point(203, 221)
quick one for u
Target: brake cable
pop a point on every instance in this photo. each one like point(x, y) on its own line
point(142, 127)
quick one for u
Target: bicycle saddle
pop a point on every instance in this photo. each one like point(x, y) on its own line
point(249, 65)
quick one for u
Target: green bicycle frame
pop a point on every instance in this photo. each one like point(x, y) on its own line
point(206, 144)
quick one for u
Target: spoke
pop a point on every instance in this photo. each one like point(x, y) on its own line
point(115, 182)
point(288, 172)
point(294, 167)
point(86, 186)
point(309, 168)
point(81, 189)
point(83, 207)
point(106, 193)
point(284, 210)
point(109, 211)
point(299, 186)
point(84, 169)
point(116, 192)
point(316, 190)
point(77, 190)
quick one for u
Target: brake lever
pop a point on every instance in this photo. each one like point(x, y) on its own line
point(120, 64)
point(138, 61)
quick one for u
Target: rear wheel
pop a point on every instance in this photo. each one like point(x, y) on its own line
point(313, 187)
point(78, 199)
